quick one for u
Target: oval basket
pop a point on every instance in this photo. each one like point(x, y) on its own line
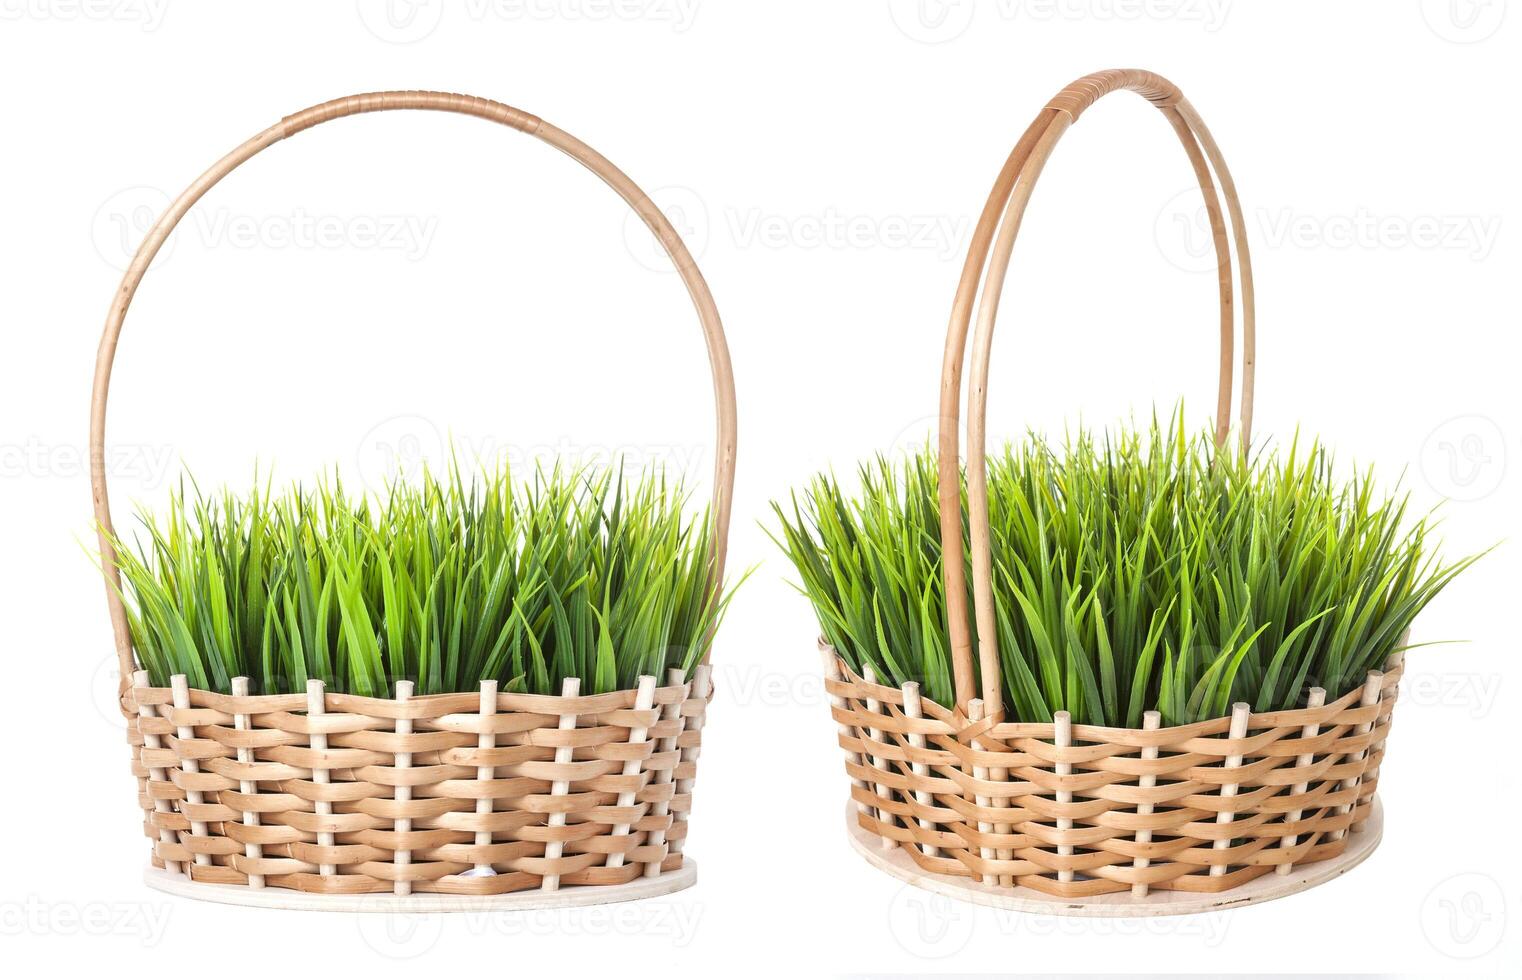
point(1080, 819)
point(450, 801)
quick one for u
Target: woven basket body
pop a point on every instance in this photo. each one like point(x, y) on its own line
point(471, 794)
point(1105, 810)
point(233, 788)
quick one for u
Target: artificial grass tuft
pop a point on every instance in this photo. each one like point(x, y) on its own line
point(1131, 572)
point(573, 573)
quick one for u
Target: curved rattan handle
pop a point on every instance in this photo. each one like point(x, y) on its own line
point(708, 314)
point(1002, 213)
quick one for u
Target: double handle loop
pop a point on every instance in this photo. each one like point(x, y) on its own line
point(982, 281)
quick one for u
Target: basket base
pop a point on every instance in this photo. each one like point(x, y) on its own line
point(287, 898)
point(1263, 889)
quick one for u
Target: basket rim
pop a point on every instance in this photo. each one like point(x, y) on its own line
point(956, 722)
point(418, 706)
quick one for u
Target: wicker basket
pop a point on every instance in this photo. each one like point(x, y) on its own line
point(1080, 819)
point(439, 802)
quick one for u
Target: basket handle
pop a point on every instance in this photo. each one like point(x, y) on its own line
point(697, 289)
point(1002, 213)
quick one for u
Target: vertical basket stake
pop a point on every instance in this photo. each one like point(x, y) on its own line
point(980, 773)
point(671, 713)
point(644, 699)
point(1151, 721)
point(1239, 715)
point(832, 673)
point(316, 709)
point(156, 774)
point(248, 787)
point(402, 826)
point(564, 755)
point(913, 710)
point(879, 764)
point(1317, 699)
point(999, 774)
point(702, 687)
point(181, 689)
point(485, 803)
point(1063, 738)
point(1391, 665)
point(1370, 697)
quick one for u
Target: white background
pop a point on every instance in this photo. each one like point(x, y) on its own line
point(394, 281)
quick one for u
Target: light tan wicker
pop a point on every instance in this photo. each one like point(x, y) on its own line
point(472, 794)
point(1077, 818)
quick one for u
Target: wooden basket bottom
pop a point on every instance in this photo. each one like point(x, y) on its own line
point(285, 898)
point(897, 862)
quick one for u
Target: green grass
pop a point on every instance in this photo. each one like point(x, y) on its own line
point(1133, 572)
point(574, 573)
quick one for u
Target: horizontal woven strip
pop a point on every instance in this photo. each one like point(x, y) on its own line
point(418, 795)
point(1204, 807)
